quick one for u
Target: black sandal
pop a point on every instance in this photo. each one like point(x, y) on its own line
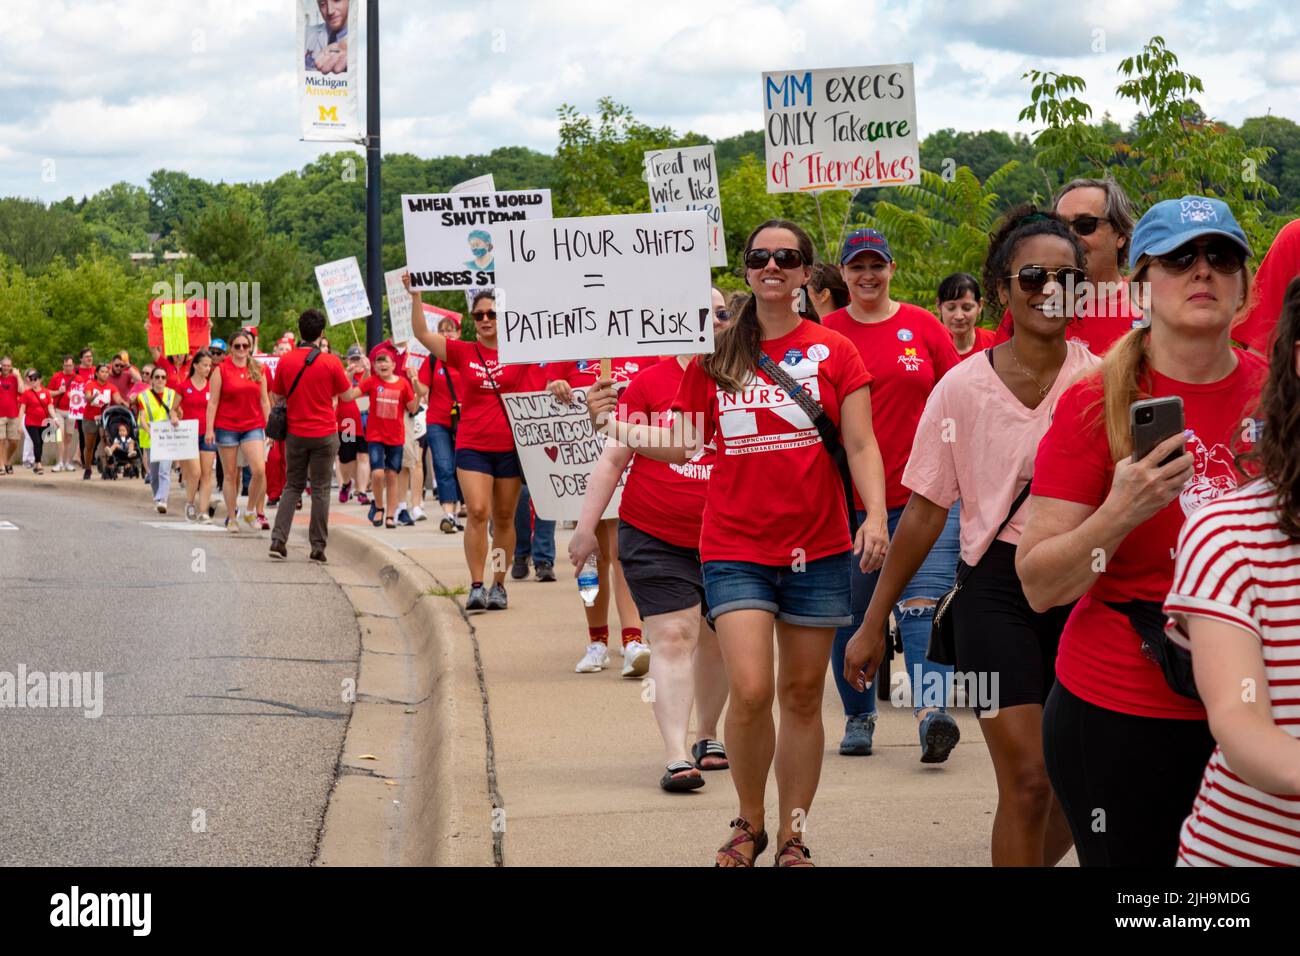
point(681, 776)
point(378, 520)
point(709, 748)
point(390, 522)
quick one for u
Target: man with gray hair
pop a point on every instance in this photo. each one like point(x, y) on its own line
point(1100, 214)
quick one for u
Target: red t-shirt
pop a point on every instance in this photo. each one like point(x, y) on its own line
point(905, 355)
point(240, 406)
point(176, 377)
point(984, 339)
point(1100, 658)
point(35, 401)
point(57, 381)
point(9, 395)
point(439, 410)
point(774, 488)
point(347, 415)
point(664, 500)
point(98, 398)
point(194, 401)
point(84, 373)
point(586, 373)
point(311, 406)
point(1099, 323)
point(483, 425)
point(386, 423)
point(1279, 266)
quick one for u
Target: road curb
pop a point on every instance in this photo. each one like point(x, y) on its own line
point(429, 803)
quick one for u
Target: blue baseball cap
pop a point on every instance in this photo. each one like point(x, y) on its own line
point(1171, 222)
point(866, 240)
point(218, 344)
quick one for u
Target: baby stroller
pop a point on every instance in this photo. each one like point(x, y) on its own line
point(123, 462)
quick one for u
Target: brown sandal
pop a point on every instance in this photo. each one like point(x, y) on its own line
point(793, 853)
point(746, 835)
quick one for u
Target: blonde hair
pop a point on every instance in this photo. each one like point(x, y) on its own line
point(254, 366)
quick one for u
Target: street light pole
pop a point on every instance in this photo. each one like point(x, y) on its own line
point(374, 233)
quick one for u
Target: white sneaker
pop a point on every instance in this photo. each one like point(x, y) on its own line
point(249, 522)
point(636, 659)
point(418, 514)
point(162, 508)
point(595, 660)
point(58, 466)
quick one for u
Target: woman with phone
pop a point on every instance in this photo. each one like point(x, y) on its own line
point(1233, 601)
point(772, 557)
point(1125, 752)
point(976, 443)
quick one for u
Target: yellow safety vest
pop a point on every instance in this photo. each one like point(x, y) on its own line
point(155, 411)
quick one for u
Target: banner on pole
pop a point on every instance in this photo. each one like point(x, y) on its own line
point(568, 289)
point(329, 80)
point(343, 290)
point(452, 238)
point(840, 129)
point(168, 442)
point(558, 450)
point(684, 179)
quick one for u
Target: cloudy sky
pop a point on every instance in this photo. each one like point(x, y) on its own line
point(96, 91)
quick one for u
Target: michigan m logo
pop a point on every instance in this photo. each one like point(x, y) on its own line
point(329, 114)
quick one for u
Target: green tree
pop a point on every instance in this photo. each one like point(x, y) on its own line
point(33, 234)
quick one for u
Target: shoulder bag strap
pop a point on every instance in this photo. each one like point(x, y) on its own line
point(297, 378)
point(964, 572)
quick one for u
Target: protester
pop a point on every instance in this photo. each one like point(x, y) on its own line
point(1236, 580)
point(826, 289)
point(774, 541)
point(389, 395)
point(976, 443)
point(410, 479)
point(534, 541)
point(1279, 266)
point(906, 350)
point(11, 430)
point(441, 419)
point(959, 311)
point(77, 397)
point(487, 467)
point(99, 395)
point(122, 375)
point(197, 473)
point(38, 415)
point(159, 403)
point(309, 381)
point(354, 457)
point(236, 422)
point(1101, 216)
point(60, 389)
point(1102, 528)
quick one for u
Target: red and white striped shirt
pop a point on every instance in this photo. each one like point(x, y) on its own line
point(1235, 565)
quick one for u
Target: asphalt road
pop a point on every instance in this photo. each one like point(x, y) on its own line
point(223, 686)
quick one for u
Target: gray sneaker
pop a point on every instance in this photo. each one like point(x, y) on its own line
point(477, 600)
point(858, 732)
point(496, 599)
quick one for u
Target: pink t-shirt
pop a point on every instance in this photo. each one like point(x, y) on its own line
point(976, 441)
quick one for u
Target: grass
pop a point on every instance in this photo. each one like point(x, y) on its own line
point(439, 590)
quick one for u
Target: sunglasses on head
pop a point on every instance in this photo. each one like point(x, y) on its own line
point(1086, 225)
point(1032, 279)
point(785, 258)
point(1224, 257)
point(489, 314)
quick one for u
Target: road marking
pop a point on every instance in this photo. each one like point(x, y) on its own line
point(8, 526)
point(182, 526)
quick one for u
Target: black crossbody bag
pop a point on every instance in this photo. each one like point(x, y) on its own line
point(830, 435)
point(277, 423)
point(454, 415)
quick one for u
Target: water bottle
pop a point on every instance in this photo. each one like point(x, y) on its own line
point(589, 581)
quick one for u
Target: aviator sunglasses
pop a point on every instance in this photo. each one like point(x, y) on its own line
point(785, 258)
point(1223, 256)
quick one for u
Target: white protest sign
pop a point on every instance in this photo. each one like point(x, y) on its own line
point(558, 450)
point(399, 306)
point(270, 363)
point(451, 238)
point(77, 401)
point(840, 129)
point(479, 184)
point(343, 291)
point(168, 442)
point(571, 289)
point(685, 179)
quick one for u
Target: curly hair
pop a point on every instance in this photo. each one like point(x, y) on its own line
point(1277, 453)
point(1020, 223)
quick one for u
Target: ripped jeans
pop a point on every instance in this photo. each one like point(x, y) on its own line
point(935, 576)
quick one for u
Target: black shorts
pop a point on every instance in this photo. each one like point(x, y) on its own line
point(348, 450)
point(997, 633)
point(498, 464)
point(662, 577)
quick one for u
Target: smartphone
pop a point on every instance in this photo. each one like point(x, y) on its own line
point(1153, 420)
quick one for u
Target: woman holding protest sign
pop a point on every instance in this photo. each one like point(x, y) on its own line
point(236, 422)
point(198, 474)
point(774, 541)
point(159, 403)
point(487, 467)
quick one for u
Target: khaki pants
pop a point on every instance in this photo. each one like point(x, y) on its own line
point(306, 458)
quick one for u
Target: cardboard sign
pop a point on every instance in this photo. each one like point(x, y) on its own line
point(558, 449)
point(197, 325)
point(452, 239)
point(343, 291)
point(399, 306)
point(684, 179)
point(569, 289)
point(840, 129)
point(168, 442)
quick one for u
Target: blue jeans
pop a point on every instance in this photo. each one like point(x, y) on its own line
point(444, 463)
point(532, 533)
point(934, 577)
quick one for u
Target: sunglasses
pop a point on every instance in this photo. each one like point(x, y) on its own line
point(241, 348)
point(1087, 225)
point(785, 258)
point(722, 315)
point(489, 314)
point(1033, 278)
point(1223, 256)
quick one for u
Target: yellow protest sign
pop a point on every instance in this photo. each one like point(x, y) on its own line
point(176, 329)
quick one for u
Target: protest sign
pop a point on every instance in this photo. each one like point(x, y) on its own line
point(168, 442)
point(684, 179)
point(328, 77)
point(269, 363)
point(176, 329)
point(479, 184)
point(840, 129)
point(572, 289)
point(191, 313)
point(558, 450)
point(343, 291)
point(77, 400)
point(451, 237)
point(399, 305)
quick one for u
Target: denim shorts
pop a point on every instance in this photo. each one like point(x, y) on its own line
point(814, 595)
point(498, 464)
point(384, 457)
point(229, 439)
point(204, 446)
